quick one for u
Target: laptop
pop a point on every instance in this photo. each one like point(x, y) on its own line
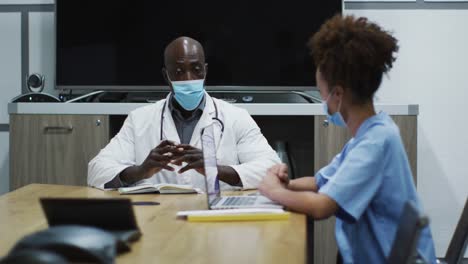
point(113, 215)
point(213, 191)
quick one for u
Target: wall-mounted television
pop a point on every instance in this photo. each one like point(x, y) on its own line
point(254, 45)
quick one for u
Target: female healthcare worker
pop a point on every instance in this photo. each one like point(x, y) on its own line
point(366, 185)
point(160, 143)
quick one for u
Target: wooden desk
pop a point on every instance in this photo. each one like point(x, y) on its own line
point(166, 239)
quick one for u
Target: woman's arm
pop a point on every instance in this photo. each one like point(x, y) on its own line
point(306, 183)
point(317, 205)
point(297, 195)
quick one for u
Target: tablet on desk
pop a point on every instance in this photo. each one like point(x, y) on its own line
point(113, 215)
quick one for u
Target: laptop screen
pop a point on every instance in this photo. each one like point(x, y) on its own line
point(211, 169)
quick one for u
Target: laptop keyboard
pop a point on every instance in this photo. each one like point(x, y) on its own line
point(239, 201)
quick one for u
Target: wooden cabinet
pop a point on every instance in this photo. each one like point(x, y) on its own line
point(328, 142)
point(54, 149)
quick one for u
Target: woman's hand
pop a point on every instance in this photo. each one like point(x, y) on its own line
point(275, 179)
point(281, 170)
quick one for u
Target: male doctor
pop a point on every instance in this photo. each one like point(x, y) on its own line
point(160, 143)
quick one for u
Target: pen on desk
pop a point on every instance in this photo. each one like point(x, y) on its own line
point(145, 203)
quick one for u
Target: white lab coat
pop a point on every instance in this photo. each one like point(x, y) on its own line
point(242, 145)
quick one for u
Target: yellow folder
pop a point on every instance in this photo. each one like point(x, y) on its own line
point(239, 217)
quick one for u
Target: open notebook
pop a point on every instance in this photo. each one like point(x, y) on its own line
point(162, 188)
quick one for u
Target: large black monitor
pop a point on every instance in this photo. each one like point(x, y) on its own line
point(119, 44)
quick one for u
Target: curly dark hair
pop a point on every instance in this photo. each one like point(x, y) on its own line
point(353, 53)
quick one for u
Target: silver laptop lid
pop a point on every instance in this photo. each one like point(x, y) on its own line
point(211, 169)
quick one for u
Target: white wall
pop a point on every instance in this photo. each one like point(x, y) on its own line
point(41, 60)
point(10, 63)
point(432, 71)
point(10, 82)
point(42, 47)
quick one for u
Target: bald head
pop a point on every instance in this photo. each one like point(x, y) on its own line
point(184, 59)
point(183, 47)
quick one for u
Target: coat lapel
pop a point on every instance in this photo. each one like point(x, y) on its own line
point(169, 129)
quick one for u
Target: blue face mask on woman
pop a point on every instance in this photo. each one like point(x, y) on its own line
point(336, 118)
point(188, 94)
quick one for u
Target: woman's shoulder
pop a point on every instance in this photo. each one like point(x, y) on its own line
point(381, 130)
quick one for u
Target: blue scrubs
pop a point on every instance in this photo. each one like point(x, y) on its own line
point(371, 180)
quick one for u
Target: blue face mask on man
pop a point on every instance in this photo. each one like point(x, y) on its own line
point(189, 94)
point(336, 118)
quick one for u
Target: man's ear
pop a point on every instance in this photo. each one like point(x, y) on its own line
point(166, 78)
point(206, 73)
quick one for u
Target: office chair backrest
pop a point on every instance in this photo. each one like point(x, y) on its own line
point(457, 247)
point(406, 240)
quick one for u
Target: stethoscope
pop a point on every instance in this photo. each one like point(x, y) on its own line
point(216, 118)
